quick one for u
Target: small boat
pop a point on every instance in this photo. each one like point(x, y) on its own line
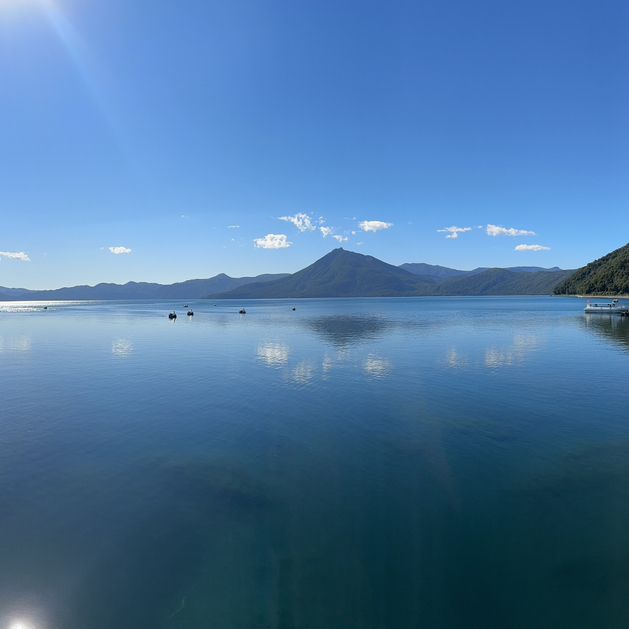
point(242, 311)
point(613, 307)
point(190, 313)
point(172, 315)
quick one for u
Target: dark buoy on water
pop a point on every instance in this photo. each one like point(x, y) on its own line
point(172, 315)
point(190, 313)
point(294, 308)
point(242, 311)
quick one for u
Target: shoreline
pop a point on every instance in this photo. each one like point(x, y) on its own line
point(601, 296)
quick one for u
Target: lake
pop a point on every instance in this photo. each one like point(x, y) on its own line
point(351, 464)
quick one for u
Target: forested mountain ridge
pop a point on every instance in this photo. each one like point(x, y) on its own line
point(343, 273)
point(608, 275)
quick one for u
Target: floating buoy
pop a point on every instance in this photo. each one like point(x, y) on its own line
point(294, 308)
point(190, 313)
point(172, 315)
point(242, 311)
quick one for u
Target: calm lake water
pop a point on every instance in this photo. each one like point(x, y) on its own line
point(353, 464)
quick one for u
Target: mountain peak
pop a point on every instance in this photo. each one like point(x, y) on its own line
point(339, 273)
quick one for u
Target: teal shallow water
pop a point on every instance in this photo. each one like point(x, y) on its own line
point(376, 463)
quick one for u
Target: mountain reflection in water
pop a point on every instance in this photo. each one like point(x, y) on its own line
point(610, 327)
point(343, 330)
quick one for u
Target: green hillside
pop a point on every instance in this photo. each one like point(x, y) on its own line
point(608, 275)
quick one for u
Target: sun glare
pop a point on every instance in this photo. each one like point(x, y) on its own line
point(20, 624)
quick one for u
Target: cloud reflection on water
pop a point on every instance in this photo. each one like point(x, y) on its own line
point(273, 354)
point(456, 360)
point(122, 348)
point(493, 355)
point(376, 366)
point(16, 343)
point(523, 345)
point(303, 373)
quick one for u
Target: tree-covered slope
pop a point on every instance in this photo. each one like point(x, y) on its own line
point(608, 275)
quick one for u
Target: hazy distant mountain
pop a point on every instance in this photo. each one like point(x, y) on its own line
point(190, 289)
point(533, 269)
point(608, 275)
point(345, 274)
point(433, 271)
point(504, 282)
point(340, 273)
point(441, 272)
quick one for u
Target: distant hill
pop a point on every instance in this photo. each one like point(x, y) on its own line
point(532, 269)
point(190, 289)
point(504, 282)
point(346, 274)
point(431, 270)
point(434, 271)
point(608, 275)
point(340, 273)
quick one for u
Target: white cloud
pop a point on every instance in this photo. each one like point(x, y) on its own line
point(374, 226)
point(496, 230)
point(340, 238)
point(119, 251)
point(20, 256)
point(454, 231)
point(272, 241)
point(326, 231)
point(233, 227)
point(301, 220)
point(532, 248)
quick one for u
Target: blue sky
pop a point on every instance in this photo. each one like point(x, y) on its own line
point(152, 126)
